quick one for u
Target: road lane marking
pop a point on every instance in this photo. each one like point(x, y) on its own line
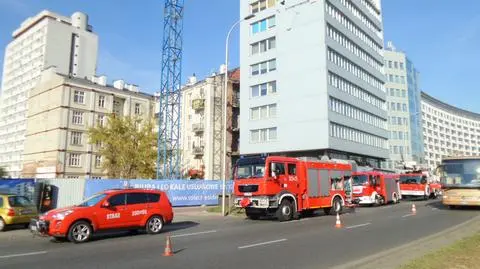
point(433, 209)
point(292, 221)
point(23, 254)
point(408, 215)
point(183, 235)
point(357, 226)
point(264, 243)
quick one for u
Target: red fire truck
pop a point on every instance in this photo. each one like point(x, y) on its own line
point(375, 188)
point(286, 187)
point(417, 183)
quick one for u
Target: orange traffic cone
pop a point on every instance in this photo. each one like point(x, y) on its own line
point(338, 224)
point(414, 209)
point(168, 248)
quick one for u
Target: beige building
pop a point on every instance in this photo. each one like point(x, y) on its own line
point(61, 109)
point(202, 125)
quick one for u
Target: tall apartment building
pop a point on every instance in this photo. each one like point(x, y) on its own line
point(202, 124)
point(61, 110)
point(404, 110)
point(313, 79)
point(47, 39)
point(448, 131)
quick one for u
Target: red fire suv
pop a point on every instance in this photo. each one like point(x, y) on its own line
point(111, 209)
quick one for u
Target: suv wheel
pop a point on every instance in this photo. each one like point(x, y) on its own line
point(2, 225)
point(154, 225)
point(80, 232)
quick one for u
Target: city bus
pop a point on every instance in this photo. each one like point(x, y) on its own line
point(460, 179)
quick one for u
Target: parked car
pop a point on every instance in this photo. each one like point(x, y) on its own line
point(16, 209)
point(111, 209)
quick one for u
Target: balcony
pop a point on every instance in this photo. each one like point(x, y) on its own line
point(236, 100)
point(198, 103)
point(236, 124)
point(198, 150)
point(198, 128)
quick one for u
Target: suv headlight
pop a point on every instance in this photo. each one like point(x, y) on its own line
point(62, 215)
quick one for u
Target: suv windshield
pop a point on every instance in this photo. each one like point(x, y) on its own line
point(410, 179)
point(93, 200)
point(359, 180)
point(19, 201)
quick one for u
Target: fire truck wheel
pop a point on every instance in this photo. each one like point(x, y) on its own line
point(285, 211)
point(395, 199)
point(336, 207)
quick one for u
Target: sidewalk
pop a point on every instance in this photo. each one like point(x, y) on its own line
point(405, 253)
point(192, 211)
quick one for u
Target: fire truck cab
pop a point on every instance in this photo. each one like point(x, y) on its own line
point(417, 183)
point(375, 188)
point(285, 187)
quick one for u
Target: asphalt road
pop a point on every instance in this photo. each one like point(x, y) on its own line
point(234, 242)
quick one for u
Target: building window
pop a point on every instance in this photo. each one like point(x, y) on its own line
point(263, 25)
point(101, 101)
point(354, 29)
point(98, 161)
point(354, 90)
point(77, 118)
point(76, 138)
point(263, 112)
point(258, 6)
point(263, 135)
point(79, 97)
point(357, 136)
point(356, 113)
point(353, 48)
point(264, 67)
point(341, 61)
point(263, 46)
point(74, 160)
point(263, 89)
point(137, 109)
point(101, 120)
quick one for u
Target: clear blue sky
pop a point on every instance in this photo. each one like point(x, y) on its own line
point(441, 38)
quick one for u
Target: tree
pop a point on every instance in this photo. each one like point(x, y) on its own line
point(3, 172)
point(127, 146)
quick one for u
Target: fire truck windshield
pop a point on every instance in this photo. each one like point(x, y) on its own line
point(460, 173)
point(250, 168)
point(359, 180)
point(410, 179)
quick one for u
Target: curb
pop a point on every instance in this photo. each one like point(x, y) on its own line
point(404, 253)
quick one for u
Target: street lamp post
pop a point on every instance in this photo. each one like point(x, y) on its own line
point(224, 162)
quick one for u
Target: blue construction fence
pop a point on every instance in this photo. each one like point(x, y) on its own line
point(180, 192)
point(65, 192)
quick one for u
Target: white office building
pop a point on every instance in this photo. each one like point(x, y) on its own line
point(47, 39)
point(312, 79)
point(448, 131)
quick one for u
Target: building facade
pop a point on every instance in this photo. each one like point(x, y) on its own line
point(448, 131)
point(202, 125)
point(47, 39)
point(313, 79)
point(404, 111)
point(61, 110)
